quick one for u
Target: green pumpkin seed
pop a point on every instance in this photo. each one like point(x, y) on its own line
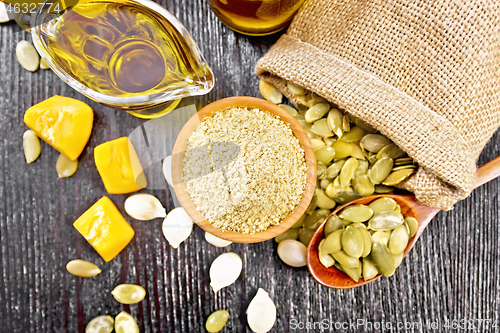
point(295, 89)
point(354, 135)
point(335, 121)
point(128, 293)
point(362, 168)
point(333, 223)
point(369, 269)
point(398, 176)
point(392, 151)
point(398, 240)
point(347, 195)
point(406, 166)
point(216, 321)
point(291, 110)
point(356, 213)
point(346, 223)
point(321, 128)
point(362, 185)
point(307, 128)
point(315, 99)
point(324, 154)
point(312, 205)
point(334, 169)
point(412, 225)
point(346, 261)
point(398, 259)
point(346, 123)
point(382, 205)
point(324, 258)
point(27, 56)
point(347, 171)
point(305, 100)
point(316, 112)
point(342, 149)
point(367, 239)
point(316, 143)
point(397, 209)
point(374, 142)
point(82, 268)
point(334, 189)
point(321, 170)
point(337, 266)
point(299, 222)
point(323, 201)
point(292, 233)
point(270, 92)
point(372, 158)
point(314, 220)
point(381, 237)
point(332, 243)
point(306, 235)
point(324, 183)
point(387, 220)
point(382, 189)
point(363, 124)
point(100, 324)
point(329, 141)
point(299, 117)
point(353, 273)
point(379, 172)
point(402, 161)
point(352, 242)
point(383, 259)
point(357, 152)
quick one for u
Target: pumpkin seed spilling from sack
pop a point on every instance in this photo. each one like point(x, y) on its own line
point(372, 243)
point(144, 207)
point(225, 270)
point(374, 163)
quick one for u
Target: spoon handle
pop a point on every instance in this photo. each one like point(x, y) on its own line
point(487, 172)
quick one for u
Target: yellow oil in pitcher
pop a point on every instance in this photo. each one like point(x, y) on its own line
point(125, 49)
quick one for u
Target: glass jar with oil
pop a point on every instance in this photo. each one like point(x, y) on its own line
point(126, 54)
point(255, 17)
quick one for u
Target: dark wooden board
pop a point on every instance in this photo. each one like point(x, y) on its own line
point(452, 275)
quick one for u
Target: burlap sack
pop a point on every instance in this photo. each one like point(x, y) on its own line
point(425, 73)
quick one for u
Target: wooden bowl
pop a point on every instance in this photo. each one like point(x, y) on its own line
point(183, 196)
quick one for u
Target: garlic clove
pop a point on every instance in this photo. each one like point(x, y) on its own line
point(144, 207)
point(216, 241)
point(177, 227)
point(31, 146)
point(167, 170)
point(225, 269)
point(261, 312)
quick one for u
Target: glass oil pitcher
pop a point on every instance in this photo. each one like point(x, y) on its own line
point(130, 55)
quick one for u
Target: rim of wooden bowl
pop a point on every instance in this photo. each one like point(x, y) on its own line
point(183, 196)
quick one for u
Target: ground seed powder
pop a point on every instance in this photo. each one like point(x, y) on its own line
point(244, 170)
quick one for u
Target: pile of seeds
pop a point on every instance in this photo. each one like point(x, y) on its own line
point(377, 233)
point(258, 188)
point(353, 159)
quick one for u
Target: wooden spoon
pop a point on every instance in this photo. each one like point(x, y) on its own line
point(333, 278)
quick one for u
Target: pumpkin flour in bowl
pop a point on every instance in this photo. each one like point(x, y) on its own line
point(244, 170)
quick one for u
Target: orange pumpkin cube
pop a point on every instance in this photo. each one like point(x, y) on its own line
point(105, 228)
point(64, 123)
point(119, 166)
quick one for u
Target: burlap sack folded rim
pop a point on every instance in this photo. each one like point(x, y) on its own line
point(430, 139)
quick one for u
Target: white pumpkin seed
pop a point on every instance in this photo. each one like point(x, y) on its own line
point(270, 92)
point(82, 268)
point(167, 170)
point(177, 226)
point(225, 270)
point(100, 324)
point(4, 16)
point(44, 64)
point(261, 312)
point(216, 241)
point(66, 167)
point(144, 207)
point(27, 56)
point(292, 253)
point(31, 146)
